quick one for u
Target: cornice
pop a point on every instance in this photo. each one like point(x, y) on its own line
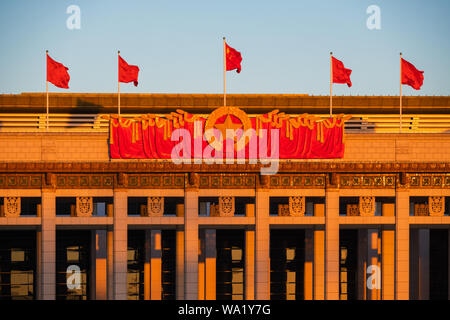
point(169, 167)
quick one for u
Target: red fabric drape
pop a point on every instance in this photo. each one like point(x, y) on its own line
point(150, 138)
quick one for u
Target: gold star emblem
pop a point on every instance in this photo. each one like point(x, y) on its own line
point(228, 124)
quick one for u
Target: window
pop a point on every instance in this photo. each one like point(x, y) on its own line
point(29, 206)
point(345, 203)
point(230, 246)
point(171, 204)
point(17, 265)
point(136, 260)
point(72, 249)
point(168, 265)
point(241, 204)
point(66, 206)
point(137, 206)
point(207, 206)
point(102, 206)
point(287, 258)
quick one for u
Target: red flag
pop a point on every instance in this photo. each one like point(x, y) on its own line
point(57, 73)
point(233, 59)
point(411, 76)
point(128, 73)
point(340, 74)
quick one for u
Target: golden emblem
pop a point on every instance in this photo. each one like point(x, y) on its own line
point(228, 124)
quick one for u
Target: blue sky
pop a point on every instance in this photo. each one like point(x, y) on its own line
point(177, 44)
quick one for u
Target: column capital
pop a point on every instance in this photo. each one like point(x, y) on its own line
point(48, 190)
point(125, 190)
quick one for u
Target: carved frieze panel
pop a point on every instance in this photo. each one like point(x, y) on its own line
point(436, 206)
point(11, 206)
point(421, 209)
point(366, 206)
point(283, 210)
point(227, 181)
point(364, 181)
point(282, 181)
point(297, 206)
point(352, 210)
point(155, 206)
point(84, 207)
point(214, 210)
point(226, 206)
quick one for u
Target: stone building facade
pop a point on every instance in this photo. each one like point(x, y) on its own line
point(373, 225)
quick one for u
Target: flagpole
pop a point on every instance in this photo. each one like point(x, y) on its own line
point(118, 83)
point(46, 81)
point(401, 103)
point(331, 84)
point(224, 73)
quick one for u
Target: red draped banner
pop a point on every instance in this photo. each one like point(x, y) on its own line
point(154, 136)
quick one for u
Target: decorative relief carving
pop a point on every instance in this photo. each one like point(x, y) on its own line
point(436, 206)
point(333, 179)
point(84, 207)
point(263, 181)
point(238, 177)
point(11, 206)
point(366, 206)
point(50, 180)
point(155, 206)
point(226, 206)
point(283, 210)
point(122, 179)
point(193, 179)
point(214, 210)
point(403, 178)
point(352, 210)
point(297, 206)
point(421, 209)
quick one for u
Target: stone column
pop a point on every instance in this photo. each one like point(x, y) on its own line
point(402, 245)
point(424, 263)
point(48, 246)
point(110, 263)
point(147, 263)
point(414, 264)
point(319, 256)
point(99, 264)
point(308, 267)
point(120, 245)
point(210, 264)
point(191, 244)
point(362, 264)
point(388, 263)
point(201, 264)
point(38, 263)
point(249, 281)
point(93, 265)
point(372, 260)
point(332, 245)
point(262, 246)
point(156, 265)
point(180, 264)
